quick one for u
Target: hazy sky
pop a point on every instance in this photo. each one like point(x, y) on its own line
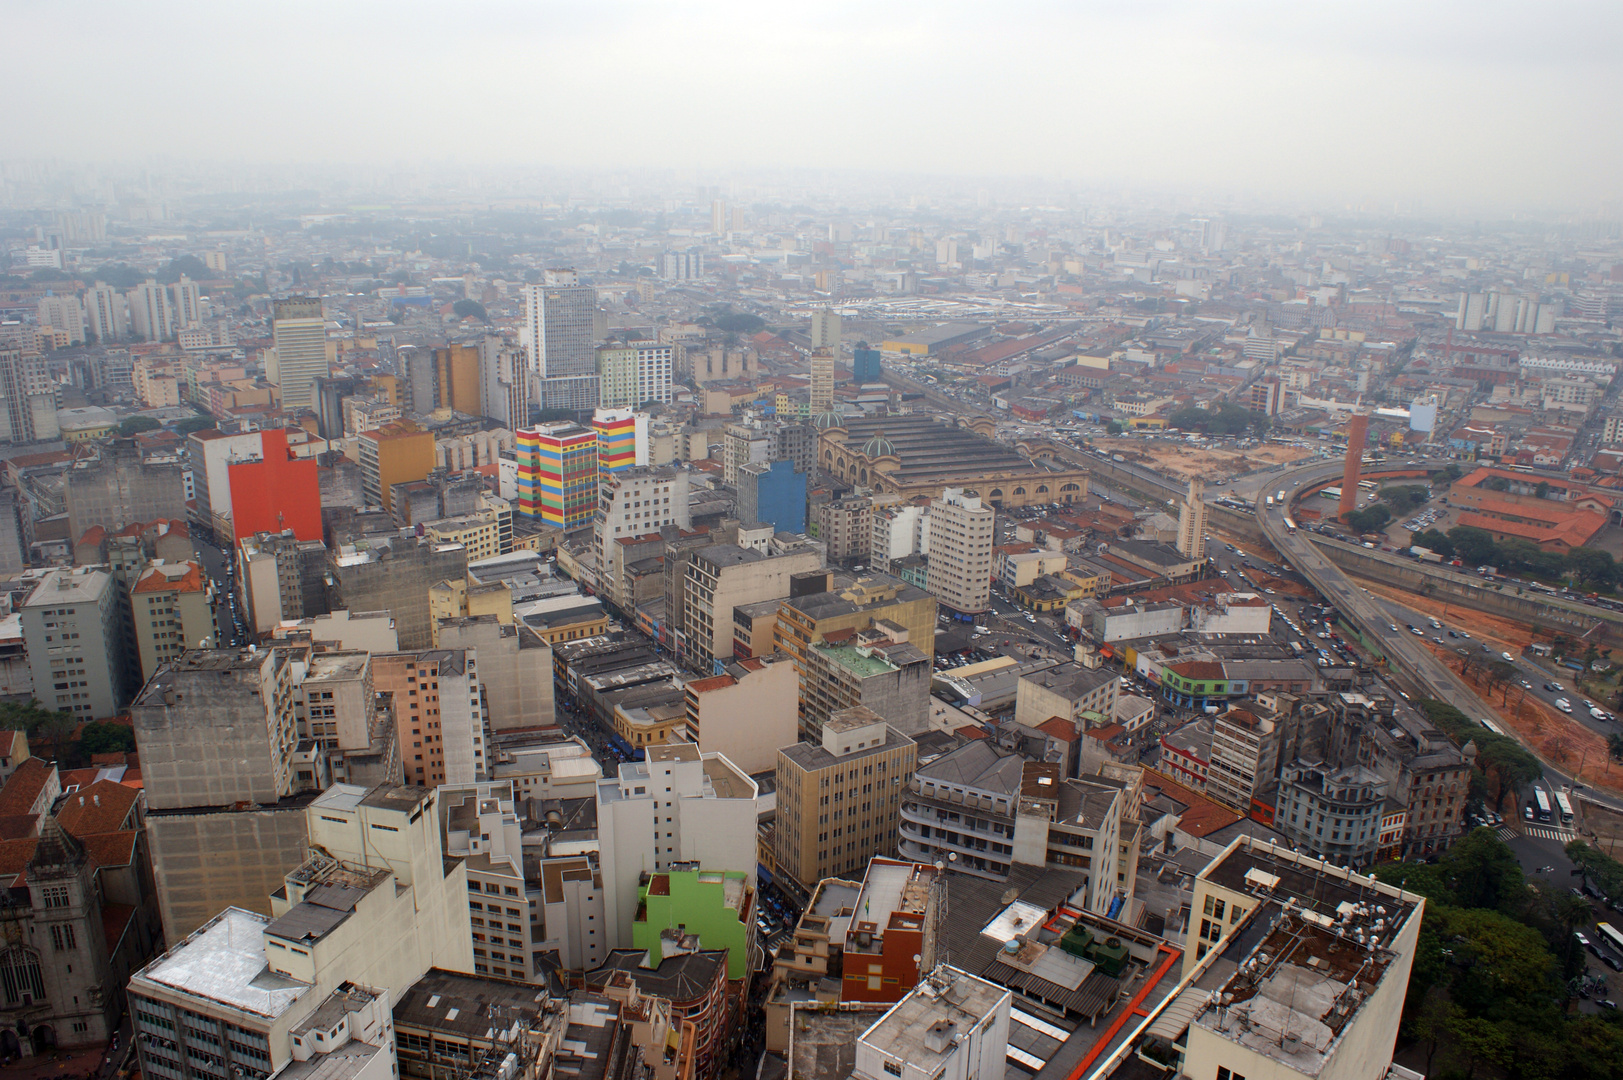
point(1438, 104)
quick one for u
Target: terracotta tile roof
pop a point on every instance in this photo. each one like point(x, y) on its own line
point(94, 536)
point(714, 682)
point(158, 579)
point(14, 856)
point(102, 807)
point(1059, 727)
point(1575, 531)
point(111, 848)
point(1199, 669)
point(971, 731)
point(1203, 816)
point(24, 787)
point(17, 826)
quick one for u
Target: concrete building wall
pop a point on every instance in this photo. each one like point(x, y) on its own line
point(119, 489)
point(515, 668)
point(749, 719)
point(207, 860)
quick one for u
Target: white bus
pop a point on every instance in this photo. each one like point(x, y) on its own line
point(1564, 805)
point(1331, 493)
point(1491, 726)
point(1543, 801)
point(1609, 932)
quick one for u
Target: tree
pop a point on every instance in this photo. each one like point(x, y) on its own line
point(1591, 566)
point(1543, 489)
point(1484, 873)
point(463, 308)
point(195, 423)
point(1405, 496)
point(1496, 483)
point(1614, 746)
point(1369, 519)
point(103, 738)
point(1435, 541)
point(1496, 961)
point(190, 265)
point(1114, 427)
point(739, 323)
point(137, 424)
point(1473, 545)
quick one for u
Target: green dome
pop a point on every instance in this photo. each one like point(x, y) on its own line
point(830, 419)
point(878, 446)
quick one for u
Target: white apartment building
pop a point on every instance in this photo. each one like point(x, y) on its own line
point(961, 538)
point(63, 313)
point(678, 806)
point(633, 372)
point(1245, 755)
point(897, 532)
point(952, 1026)
point(104, 313)
point(481, 826)
point(188, 308)
point(152, 317)
point(366, 915)
point(71, 629)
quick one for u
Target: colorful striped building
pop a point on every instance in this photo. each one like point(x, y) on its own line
point(622, 439)
point(557, 473)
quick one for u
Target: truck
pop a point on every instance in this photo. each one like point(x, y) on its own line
point(1425, 554)
point(1281, 495)
point(1270, 501)
point(1117, 457)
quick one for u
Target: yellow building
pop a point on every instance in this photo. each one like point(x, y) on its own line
point(452, 599)
point(479, 532)
point(397, 453)
point(851, 603)
point(651, 726)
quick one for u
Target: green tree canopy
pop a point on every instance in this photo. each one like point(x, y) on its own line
point(1436, 541)
point(137, 424)
point(195, 423)
point(103, 738)
point(1473, 545)
point(1405, 497)
point(463, 308)
point(1369, 519)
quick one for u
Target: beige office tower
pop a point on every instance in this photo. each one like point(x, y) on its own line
point(825, 330)
point(300, 334)
point(1192, 521)
point(961, 532)
point(822, 380)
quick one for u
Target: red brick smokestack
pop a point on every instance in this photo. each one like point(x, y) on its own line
point(1357, 431)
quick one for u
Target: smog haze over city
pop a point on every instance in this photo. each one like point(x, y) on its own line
point(882, 540)
point(1441, 108)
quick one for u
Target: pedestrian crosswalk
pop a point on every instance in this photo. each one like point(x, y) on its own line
point(1540, 832)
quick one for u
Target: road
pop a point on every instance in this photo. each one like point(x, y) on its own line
point(228, 615)
point(1410, 659)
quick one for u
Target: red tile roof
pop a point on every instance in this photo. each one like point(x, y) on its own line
point(971, 731)
point(102, 807)
point(24, 787)
point(1203, 817)
point(1059, 727)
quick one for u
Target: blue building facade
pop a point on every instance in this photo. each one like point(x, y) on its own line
point(865, 364)
point(773, 495)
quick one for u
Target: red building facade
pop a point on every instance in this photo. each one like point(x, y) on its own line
point(276, 493)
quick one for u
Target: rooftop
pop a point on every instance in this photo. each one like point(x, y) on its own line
point(919, 1029)
point(223, 961)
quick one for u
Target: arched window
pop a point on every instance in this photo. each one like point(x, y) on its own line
point(20, 976)
point(1042, 489)
point(1019, 491)
point(997, 493)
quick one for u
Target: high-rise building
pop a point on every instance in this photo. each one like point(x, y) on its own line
point(438, 712)
point(865, 364)
point(504, 383)
point(173, 608)
point(857, 750)
point(275, 493)
point(299, 331)
point(104, 313)
point(28, 411)
point(961, 532)
point(72, 630)
point(722, 576)
point(877, 669)
point(1192, 521)
point(481, 826)
point(310, 987)
point(559, 324)
point(397, 453)
point(63, 313)
point(772, 494)
point(456, 370)
point(633, 373)
point(557, 473)
point(152, 317)
point(718, 216)
point(636, 502)
point(822, 379)
point(394, 572)
point(682, 265)
point(622, 439)
point(188, 303)
point(708, 809)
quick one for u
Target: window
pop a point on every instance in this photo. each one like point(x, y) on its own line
point(63, 938)
point(56, 896)
point(1225, 1074)
point(894, 1068)
point(20, 976)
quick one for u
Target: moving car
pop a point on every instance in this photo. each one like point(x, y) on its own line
point(1563, 704)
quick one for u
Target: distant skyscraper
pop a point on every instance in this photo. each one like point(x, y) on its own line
point(825, 330)
point(299, 331)
point(188, 303)
point(1192, 521)
point(27, 398)
point(151, 315)
point(822, 380)
point(504, 384)
point(718, 216)
point(865, 364)
point(559, 316)
point(104, 312)
point(63, 313)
